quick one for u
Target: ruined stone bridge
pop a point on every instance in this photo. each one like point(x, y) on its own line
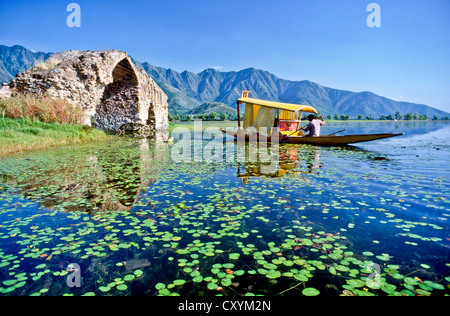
point(106, 84)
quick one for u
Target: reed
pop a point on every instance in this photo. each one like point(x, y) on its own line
point(41, 108)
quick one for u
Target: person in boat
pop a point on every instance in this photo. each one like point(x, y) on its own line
point(314, 126)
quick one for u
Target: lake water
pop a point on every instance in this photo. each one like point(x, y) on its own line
point(129, 217)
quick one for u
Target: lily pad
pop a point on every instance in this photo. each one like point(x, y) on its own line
point(212, 286)
point(129, 277)
point(226, 282)
point(122, 287)
point(179, 282)
point(273, 274)
point(310, 291)
point(234, 256)
point(434, 285)
point(104, 288)
point(410, 281)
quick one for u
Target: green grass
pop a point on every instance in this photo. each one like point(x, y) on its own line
point(19, 135)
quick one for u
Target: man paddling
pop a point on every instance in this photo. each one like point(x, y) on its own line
point(314, 126)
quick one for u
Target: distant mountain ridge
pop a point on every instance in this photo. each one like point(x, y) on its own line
point(190, 90)
point(191, 93)
point(16, 59)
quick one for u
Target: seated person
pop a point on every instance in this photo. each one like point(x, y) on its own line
point(314, 126)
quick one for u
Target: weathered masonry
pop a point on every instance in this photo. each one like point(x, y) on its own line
point(112, 91)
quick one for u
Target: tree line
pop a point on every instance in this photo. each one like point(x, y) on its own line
point(213, 116)
point(390, 117)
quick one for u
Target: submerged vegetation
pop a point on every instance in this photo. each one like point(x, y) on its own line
point(31, 123)
point(336, 221)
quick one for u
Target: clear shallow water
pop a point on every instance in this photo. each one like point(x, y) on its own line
point(136, 222)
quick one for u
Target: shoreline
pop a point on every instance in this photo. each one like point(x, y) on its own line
point(25, 135)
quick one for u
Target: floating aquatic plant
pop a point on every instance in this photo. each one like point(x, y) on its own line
point(192, 228)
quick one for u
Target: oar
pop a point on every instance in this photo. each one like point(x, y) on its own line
point(337, 132)
point(297, 130)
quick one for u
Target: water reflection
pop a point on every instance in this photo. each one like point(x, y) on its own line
point(288, 160)
point(104, 178)
point(323, 211)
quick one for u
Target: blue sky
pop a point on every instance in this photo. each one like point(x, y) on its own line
point(325, 41)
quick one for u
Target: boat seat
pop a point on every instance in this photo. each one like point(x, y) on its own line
point(288, 125)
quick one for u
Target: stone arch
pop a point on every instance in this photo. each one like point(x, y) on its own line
point(119, 104)
point(124, 72)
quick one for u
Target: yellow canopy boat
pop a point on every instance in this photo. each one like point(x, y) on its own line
point(264, 120)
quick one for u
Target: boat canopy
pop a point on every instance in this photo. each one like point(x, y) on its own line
point(278, 105)
point(262, 114)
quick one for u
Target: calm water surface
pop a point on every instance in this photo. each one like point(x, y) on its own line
point(129, 217)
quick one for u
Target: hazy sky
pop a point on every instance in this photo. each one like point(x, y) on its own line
point(325, 41)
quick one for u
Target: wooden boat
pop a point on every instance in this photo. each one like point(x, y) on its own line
point(282, 120)
point(326, 140)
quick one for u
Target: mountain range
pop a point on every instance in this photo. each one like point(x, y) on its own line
point(16, 59)
point(187, 90)
point(198, 93)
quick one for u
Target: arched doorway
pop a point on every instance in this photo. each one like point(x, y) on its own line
point(119, 104)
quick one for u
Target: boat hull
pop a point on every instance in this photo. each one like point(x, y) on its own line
point(326, 140)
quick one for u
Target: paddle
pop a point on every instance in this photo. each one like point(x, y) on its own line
point(337, 132)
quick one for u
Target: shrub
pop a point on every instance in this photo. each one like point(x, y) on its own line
point(42, 108)
point(47, 65)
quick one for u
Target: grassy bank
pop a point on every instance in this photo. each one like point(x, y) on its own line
point(18, 135)
point(30, 122)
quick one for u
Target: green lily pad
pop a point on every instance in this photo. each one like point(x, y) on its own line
point(383, 257)
point(104, 288)
point(355, 283)
point(310, 291)
point(228, 265)
point(179, 282)
point(234, 256)
point(434, 285)
point(273, 274)
point(342, 268)
point(388, 288)
point(129, 277)
point(8, 290)
point(122, 287)
point(398, 276)
point(301, 277)
point(4, 264)
point(410, 281)
point(160, 286)
point(212, 286)
point(10, 282)
point(226, 282)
